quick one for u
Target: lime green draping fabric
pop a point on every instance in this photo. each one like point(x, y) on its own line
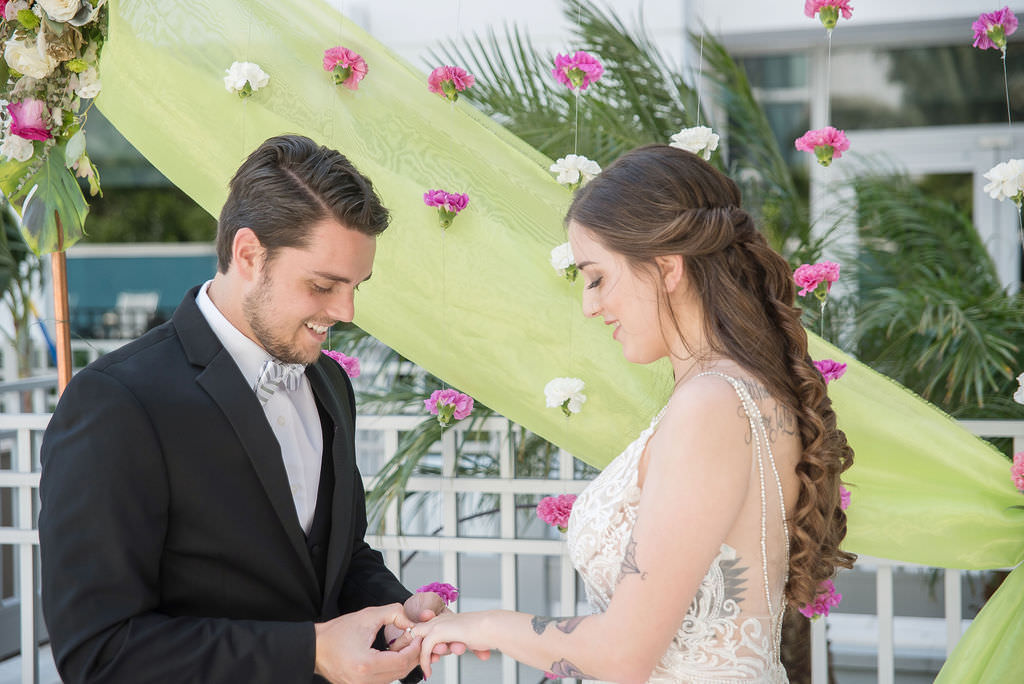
point(479, 305)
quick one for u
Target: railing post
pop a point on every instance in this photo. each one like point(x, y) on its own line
point(28, 588)
point(819, 651)
point(951, 580)
point(884, 608)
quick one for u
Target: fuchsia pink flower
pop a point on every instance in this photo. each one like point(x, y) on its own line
point(826, 143)
point(448, 204)
point(27, 119)
point(1018, 470)
point(992, 28)
point(810, 276)
point(449, 404)
point(844, 497)
point(449, 81)
point(577, 71)
point(828, 11)
point(349, 363)
point(349, 67)
point(830, 369)
point(555, 510)
point(826, 599)
point(448, 593)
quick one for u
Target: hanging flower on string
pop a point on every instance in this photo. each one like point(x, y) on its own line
point(564, 263)
point(448, 204)
point(350, 364)
point(1006, 181)
point(347, 67)
point(1018, 396)
point(830, 369)
point(449, 593)
point(992, 28)
point(449, 81)
point(577, 71)
point(810, 276)
point(449, 405)
point(826, 143)
point(698, 140)
point(245, 78)
point(828, 11)
point(555, 510)
point(574, 170)
point(826, 599)
point(844, 497)
point(566, 394)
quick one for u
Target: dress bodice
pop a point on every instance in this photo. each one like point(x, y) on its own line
point(719, 641)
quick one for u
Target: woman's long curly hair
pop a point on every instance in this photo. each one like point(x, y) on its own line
point(657, 200)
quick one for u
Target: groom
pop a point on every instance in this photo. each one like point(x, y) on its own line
point(202, 516)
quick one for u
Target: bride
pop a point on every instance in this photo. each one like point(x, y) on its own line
point(726, 508)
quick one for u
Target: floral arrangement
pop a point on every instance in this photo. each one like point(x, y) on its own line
point(992, 28)
point(830, 369)
point(566, 394)
point(449, 81)
point(448, 592)
point(448, 204)
point(349, 363)
point(449, 405)
point(51, 54)
point(826, 143)
point(347, 67)
point(555, 510)
point(244, 79)
point(828, 11)
point(827, 598)
point(564, 263)
point(697, 139)
point(578, 71)
point(574, 170)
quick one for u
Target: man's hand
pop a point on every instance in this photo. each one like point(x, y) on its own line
point(345, 653)
point(423, 607)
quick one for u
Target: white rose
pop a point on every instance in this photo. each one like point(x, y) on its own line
point(241, 73)
point(698, 140)
point(30, 58)
point(87, 84)
point(574, 169)
point(566, 393)
point(1018, 396)
point(60, 10)
point(1006, 180)
point(17, 148)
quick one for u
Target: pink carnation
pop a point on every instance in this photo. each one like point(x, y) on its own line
point(448, 593)
point(844, 497)
point(27, 119)
point(831, 8)
point(349, 67)
point(448, 204)
point(809, 276)
point(826, 143)
point(826, 599)
point(830, 369)
point(991, 29)
point(555, 510)
point(349, 363)
point(449, 81)
point(448, 404)
point(577, 71)
point(1018, 470)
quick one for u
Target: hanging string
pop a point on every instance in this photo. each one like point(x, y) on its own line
point(1006, 89)
point(700, 72)
point(828, 76)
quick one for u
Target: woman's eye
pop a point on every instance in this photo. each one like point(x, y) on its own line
point(320, 290)
point(594, 283)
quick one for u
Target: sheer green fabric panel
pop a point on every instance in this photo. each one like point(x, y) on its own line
point(479, 305)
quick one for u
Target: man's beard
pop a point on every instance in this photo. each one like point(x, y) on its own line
point(253, 307)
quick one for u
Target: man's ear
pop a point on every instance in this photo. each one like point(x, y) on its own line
point(247, 253)
point(671, 271)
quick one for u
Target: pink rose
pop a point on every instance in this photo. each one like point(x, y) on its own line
point(349, 67)
point(830, 370)
point(809, 276)
point(826, 599)
point(27, 119)
point(555, 510)
point(349, 363)
point(1017, 470)
point(577, 71)
point(449, 81)
point(991, 29)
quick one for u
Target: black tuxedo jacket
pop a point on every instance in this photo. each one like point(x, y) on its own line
point(170, 546)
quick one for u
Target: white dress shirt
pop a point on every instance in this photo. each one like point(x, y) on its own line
point(292, 415)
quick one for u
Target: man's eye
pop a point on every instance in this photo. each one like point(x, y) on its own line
point(595, 282)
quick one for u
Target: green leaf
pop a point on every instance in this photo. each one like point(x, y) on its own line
point(52, 193)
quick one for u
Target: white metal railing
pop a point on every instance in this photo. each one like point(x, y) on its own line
point(407, 534)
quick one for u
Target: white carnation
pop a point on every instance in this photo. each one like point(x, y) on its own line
point(87, 84)
point(60, 10)
point(1018, 396)
point(30, 57)
point(698, 140)
point(566, 393)
point(562, 258)
point(241, 73)
point(17, 148)
point(575, 169)
point(1006, 180)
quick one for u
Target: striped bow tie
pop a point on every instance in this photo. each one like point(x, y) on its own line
point(277, 375)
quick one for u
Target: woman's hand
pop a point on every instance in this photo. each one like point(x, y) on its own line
point(468, 630)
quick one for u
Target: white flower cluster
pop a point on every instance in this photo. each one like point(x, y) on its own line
point(698, 140)
point(1006, 181)
point(245, 78)
point(565, 393)
point(575, 170)
point(1018, 396)
point(564, 262)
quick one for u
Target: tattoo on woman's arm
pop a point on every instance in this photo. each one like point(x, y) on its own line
point(564, 624)
point(629, 564)
point(563, 668)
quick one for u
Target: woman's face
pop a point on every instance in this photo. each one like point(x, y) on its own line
point(627, 300)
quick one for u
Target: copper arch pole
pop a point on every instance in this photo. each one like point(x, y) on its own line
point(62, 331)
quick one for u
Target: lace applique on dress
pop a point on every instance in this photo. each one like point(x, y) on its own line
point(717, 643)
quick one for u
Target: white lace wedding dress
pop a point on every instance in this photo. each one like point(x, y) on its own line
point(732, 629)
